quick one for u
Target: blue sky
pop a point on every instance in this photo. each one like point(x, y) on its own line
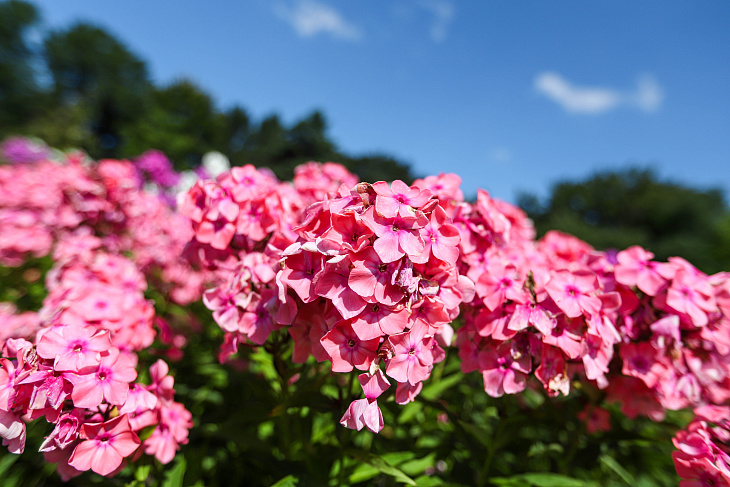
point(512, 96)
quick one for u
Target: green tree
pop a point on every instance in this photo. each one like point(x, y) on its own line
point(93, 69)
point(623, 208)
point(180, 120)
point(19, 91)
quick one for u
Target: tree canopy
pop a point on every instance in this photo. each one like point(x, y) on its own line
point(617, 209)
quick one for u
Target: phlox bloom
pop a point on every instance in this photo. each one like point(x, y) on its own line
point(399, 198)
point(572, 292)
point(74, 347)
point(110, 382)
point(105, 446)
point(347, 350)
point(363, 412)
point(412, 359)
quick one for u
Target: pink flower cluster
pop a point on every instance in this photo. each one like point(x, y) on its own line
point(78, 371)
point(703, 456)
point(363, 278)
point(42, 201)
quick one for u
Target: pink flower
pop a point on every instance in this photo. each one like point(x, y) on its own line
point(50, 388)
point(373, 385)
point(573, 292)
point(363, 412)
point(371, 278)
point(110, 382)
point(74, 347)
point(12, 431)
point(412, 359)
point(65, 432)
point(378, 319)
point(172, 431)
point(300, 273)
point(441, 239)
point(162, 383)
point(333, 285)
point(105, 446)
point(400, 200)
point(635, 268)
point(397, 236)
point(405, 392)
point(504, 369)
point(640, 360)
point(596, 419)
point(552, 371)
point(349, 232)
point(347, 350)
point(691, 295)
point(499, 284)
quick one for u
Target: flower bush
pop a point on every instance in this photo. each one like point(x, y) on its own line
point(327, 291)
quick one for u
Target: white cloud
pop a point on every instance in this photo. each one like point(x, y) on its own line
point(443, 15)
point(309, 18)
point(648, 95)
point(500, 154)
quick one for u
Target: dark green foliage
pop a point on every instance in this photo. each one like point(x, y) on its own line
point(18, 87)
point(633, 207)
point(92, 69)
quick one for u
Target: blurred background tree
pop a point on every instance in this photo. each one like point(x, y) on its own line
point(101, 98)
point(634, 207)
point(19, 89)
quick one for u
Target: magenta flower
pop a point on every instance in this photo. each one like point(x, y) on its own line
point(50, 388)
point(573, 292)
point(552, 371)
point(12, 431)
point(363, 412)
point(110, 382)
point(105, 446)
point(635, 268)
point(412, 359)
point(504, 369)
point(397, 236)
point(333, 285)
point(74, 347)
point(65, 432)
point(301, 271)
point(371, 278)
point(441, 239)
point(400, 200)
point(349, 232)
point(378, 319)
point(641, 361)
point(346, 350)
point(691, 295)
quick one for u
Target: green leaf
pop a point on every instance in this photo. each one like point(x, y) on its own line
point(611, 463)
point(174, 476)
point(383, 466)
point(418, 466)
point(434, 390)
point(288, 481)
point(363, 472)
point(142, 472)
point(539, 479)
point(7, 461)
